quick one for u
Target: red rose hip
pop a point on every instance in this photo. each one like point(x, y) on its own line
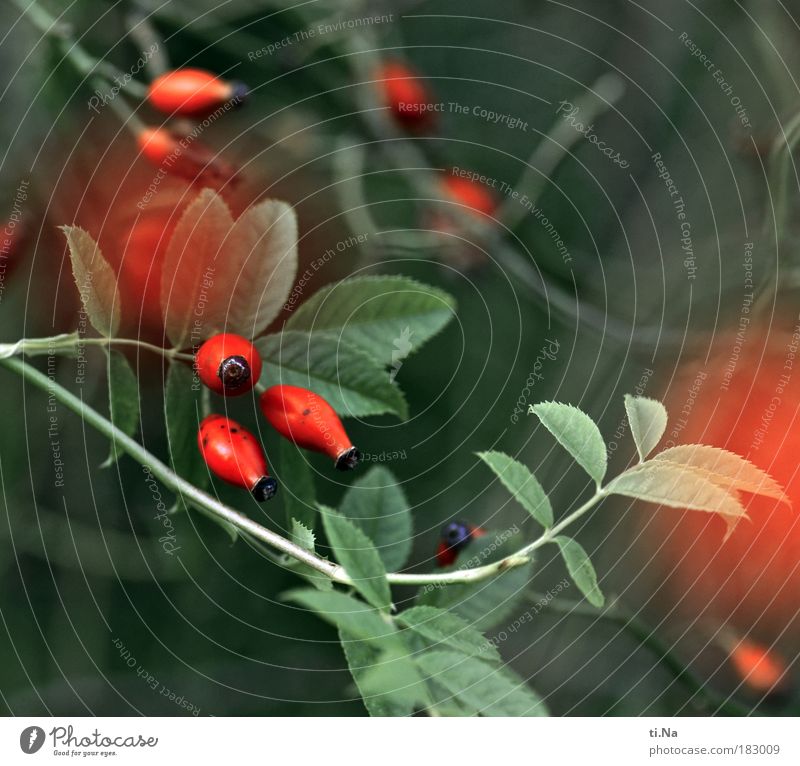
point(469, 193)
point(193, 92)
point(405, 94)
point(184, 158)
point(234, 455)
point(760, 669)
point(454, 537)
point(310, 422)
point(228, 364)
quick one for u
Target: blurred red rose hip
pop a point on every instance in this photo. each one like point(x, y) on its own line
point(746, 399)
point(193, 93)
point(405, 94)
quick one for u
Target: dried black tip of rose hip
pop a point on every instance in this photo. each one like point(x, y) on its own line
point(265, 488)
point(456, 534)
point(234, 372)
point(239, 93)
point(348, 460)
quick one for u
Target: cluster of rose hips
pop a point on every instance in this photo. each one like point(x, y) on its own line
point(412, 107)
point(230, 365)
point(196, 94)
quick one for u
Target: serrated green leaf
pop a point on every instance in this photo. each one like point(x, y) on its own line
point(344, 612)
point(389, 317)
point(356, 553)
point(482, 604)
point(445, 704)
point(393, 679)
point(484, 689)
point(297, 486)
point(726, 469)
point(577, 433)
point(377, 505)
point(194, 277)
point(301, 535)
point(580, 569)
point(361, 657)
point(443, 627)
point(353, 383)
point(123, 399)
point(677, 486)
point(261, 257)
point(96, 281)
point(522, 484)
point(648, 421)
point(221, 275)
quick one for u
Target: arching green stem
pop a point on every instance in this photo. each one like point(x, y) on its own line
point(193, 496)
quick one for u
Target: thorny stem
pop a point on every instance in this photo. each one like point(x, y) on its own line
point(191, 495)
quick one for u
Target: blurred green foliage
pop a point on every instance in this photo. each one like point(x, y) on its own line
point(82, 566)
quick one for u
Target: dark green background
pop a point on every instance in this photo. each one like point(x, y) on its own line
point(82, 567)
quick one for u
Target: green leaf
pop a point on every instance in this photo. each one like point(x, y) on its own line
point(182, 414)
point(677, 486)
point(648, 421)
point(392, 679)
point(389, 317)
point(442, 627)
point(344, 612)
point(353, 383)
point(482, 604)
point(356, 553)
point(362, 658)
point(482, 688)
point(96, 281)
point(580, 569)
point(444, 703)
point(226, 276)
point(261, 255)
point(193, 276)
point(304, 537)
point(522, 484)
point(297, 486)
point(123, 399)
point(726, 469)
point(577, 433)
point(377, 505)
